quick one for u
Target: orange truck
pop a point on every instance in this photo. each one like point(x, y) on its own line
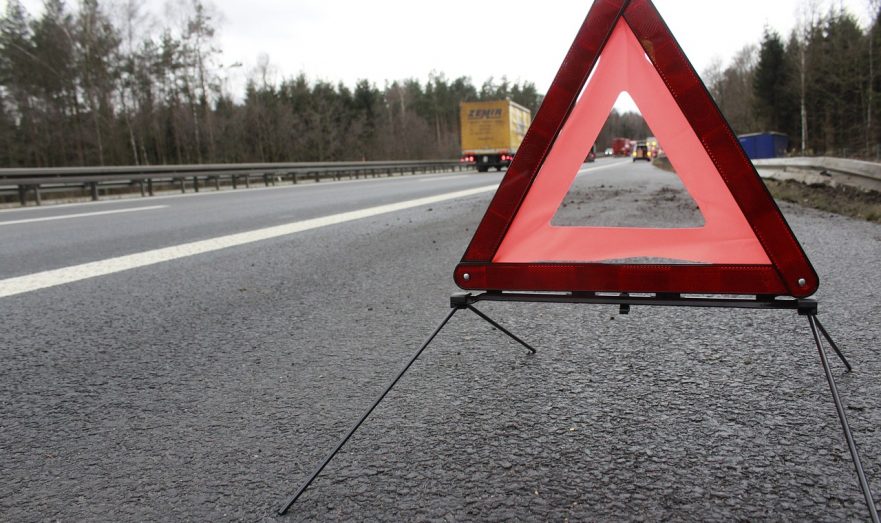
point(492, 132)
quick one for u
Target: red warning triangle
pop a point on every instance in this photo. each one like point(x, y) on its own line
point(745, 245)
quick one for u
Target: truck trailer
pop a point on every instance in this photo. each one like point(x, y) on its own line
point(621, 146)
point(492, 132)
point(761, 146)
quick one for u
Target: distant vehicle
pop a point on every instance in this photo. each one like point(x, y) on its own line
point(621, 147)
point(592, 154)
point(642, 152)
point(760, 146)
point(653, 145)
point(492, 132)
point(609, 151)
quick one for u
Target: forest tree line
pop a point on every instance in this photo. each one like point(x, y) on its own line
point(101, 86)
point(91, 86)
point(820, 84)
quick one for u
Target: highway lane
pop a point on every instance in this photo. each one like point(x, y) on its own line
point(44, 239)
point(29, 247)
point(206, 387)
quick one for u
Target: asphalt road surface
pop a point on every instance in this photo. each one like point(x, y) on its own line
point(194, 357)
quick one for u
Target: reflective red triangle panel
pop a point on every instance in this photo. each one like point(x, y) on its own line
point(789, 272)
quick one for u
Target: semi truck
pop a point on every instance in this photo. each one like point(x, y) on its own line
point(492, 132)
point(621, 146)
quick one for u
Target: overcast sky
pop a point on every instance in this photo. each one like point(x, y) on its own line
point(346, 40)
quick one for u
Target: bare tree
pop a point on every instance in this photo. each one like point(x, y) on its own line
point(134, 25)
point(732, 88)
point(807, 15)
point(874, 7)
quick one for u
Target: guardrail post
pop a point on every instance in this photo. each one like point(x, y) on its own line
point(23, 195)
point(317, 177)
point(150, 186)
point(217, 183)
point(294, 178)
point(183, 186)
point(235, 180)
point(37, 196)
point(248, 181)
point(141, 187)
point(196, 183)
point(93, 189)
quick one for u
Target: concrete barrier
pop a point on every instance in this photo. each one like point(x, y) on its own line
point(823, 170)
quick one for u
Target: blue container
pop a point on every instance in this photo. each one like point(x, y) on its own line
point(759, 146)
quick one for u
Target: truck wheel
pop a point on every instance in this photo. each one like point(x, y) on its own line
point(482, 169)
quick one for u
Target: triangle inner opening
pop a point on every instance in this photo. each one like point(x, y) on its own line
point(627, 180)
point(533, 236)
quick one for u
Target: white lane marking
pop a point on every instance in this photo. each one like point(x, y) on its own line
point(602, 167)
point(82, 215)
point(52, 278)
point(580, 171)
point(435, 178)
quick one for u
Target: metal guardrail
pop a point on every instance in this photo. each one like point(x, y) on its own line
point(824, 170)
point(92, 180)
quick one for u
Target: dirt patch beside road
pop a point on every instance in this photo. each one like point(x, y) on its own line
point(841, 199)
point(848, 201)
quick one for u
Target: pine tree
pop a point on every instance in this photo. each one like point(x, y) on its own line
point(774, 104)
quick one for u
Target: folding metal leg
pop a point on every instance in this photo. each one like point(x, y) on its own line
point(456, 305)
point(343, 441)
point(851, 445)
point(466, 301)
point(833, 344)
point(504, 330)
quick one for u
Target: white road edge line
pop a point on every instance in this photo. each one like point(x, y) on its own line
point(82, 215)
point(603, 167)
point(52, 278)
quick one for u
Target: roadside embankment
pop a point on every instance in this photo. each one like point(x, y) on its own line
point(818, 190)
